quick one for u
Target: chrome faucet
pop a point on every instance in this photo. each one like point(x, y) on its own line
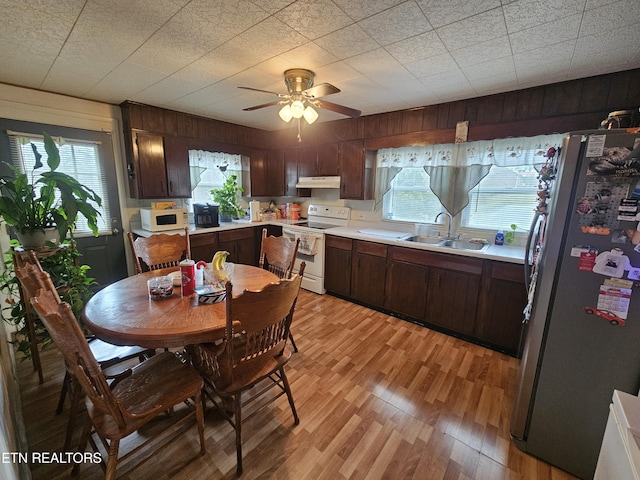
point(448, 226)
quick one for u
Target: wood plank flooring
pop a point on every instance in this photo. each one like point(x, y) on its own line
point(378, 398)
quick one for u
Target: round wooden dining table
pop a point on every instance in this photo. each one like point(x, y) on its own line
point(123, 314)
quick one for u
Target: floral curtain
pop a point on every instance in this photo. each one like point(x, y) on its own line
point(201, 160)
point(456, 168)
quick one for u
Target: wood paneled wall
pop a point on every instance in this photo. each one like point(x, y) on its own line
point(559, 107)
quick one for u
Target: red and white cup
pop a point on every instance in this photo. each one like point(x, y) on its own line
point(188, 274)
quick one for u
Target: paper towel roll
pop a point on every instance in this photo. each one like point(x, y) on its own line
point(254, 210)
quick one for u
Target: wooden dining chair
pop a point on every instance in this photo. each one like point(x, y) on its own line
point(32, 278)
point(130, 401)
point(278, 255)
point(159, 250)
point(254, 351)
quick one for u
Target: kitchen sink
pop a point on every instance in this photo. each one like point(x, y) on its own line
point(448, 243)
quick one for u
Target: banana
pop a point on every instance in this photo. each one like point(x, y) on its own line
point(219, 259)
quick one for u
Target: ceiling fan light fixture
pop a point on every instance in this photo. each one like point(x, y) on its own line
point(297, 109)
point(310, 115)
point(285, 113)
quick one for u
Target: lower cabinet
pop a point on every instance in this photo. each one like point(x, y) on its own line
point(481, 300)
point(337, 265)
point(240, 244)
point(204, 246)
point(368, 272)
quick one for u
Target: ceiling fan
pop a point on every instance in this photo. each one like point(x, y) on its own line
point(302, 96)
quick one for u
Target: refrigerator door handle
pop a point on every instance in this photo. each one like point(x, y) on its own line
point(527, 250)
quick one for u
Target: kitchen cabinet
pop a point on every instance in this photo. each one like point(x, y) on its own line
point(368, 272)
point(407, 282)
point(356, 171)
point(266, 174)
point(337, 265)
point(240, 244)
point(159, 166)
point(307, 161)
point(452, 299)
point(328, 164)
point(291, 175)
point(204, 246)
point(499, 321)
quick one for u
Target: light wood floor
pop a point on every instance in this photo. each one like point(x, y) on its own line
point(377, 397)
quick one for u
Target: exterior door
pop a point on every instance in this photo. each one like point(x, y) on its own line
point(105, 254)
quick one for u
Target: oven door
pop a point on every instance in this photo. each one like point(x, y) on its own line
point(310, 251)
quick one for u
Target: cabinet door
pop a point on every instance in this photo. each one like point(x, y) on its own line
point(204, 246)
point(368, 272)
point(246, 251)
point(499, 321)
point(452, 299)
point(152, 176)
point(307, 158)
point(406, 289)
point(267, 174)
point(176, 156)
point(328, 160)
point(337, 265)
point(240, 244)
point(290, 159)
point(352, 170)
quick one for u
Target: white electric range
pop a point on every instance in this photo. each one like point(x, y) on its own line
point(311, 247)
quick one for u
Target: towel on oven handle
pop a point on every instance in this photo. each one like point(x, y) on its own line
point(307, 245)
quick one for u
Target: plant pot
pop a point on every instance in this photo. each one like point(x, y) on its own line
point(37, 239)
point(226, 218)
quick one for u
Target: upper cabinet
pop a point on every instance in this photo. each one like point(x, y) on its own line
point(158, 167)
point(356, 171)
point(266, 174)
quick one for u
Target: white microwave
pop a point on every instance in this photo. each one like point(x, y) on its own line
point(161, 220)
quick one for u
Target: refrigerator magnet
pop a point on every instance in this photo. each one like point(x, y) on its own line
point(587, 261)
point(612, 263)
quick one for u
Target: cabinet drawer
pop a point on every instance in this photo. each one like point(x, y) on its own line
point(203, 239)
point(338, 242)
point(435, 259)
point(507, 271)
point(233, 235)
point(370, 248)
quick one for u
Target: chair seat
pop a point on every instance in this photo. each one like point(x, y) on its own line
point(108, 354)
point(251, 372)
point(160, 381)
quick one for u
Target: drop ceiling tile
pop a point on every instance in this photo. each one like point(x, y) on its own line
point(525, 14)
point(374, 62)
point(433, 65)
point(165, 91)
point(546, 34)
point(314, 18)
point(267, 75)
point(628, 38)
point(20, 69)
point(272, 6)
point(397, 23)
point(610, 17)
point(490, 68)
point(269, 38)
point(233, 16)
point(540, 57)
point(227, 60)
point(127, 80)
point(441, 13)
point(531, 76)
point(417, 48)
point(336, 73)
point(482, 52)
point(480, 28)
point(361, 9)
point(347, 42)
point(495, 84)
point(309, 55)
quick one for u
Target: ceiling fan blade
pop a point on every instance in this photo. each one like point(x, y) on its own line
point(320, 90)
point(261, 106)
point(334, 107)
point(282, 95)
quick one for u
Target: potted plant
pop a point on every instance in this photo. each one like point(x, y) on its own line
point(227, 199)
point(51, 202)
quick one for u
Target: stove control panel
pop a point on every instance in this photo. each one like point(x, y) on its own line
point(328, 211)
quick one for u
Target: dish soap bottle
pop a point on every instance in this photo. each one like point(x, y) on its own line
point(499, 238)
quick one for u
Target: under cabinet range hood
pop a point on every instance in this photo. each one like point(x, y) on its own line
point(318, 182)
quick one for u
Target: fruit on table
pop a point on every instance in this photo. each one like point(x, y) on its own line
point(219, 259)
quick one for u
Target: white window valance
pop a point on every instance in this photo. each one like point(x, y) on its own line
point(456, 168)
point(201, 160)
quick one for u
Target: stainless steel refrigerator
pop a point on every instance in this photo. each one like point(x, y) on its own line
point(582, 338)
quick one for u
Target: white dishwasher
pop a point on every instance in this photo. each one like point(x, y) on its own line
point(619, 457)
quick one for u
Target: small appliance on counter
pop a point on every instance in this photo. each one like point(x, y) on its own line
point(205, 215)
point(155, 220)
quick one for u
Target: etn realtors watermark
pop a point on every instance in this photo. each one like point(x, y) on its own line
point(50, 457)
